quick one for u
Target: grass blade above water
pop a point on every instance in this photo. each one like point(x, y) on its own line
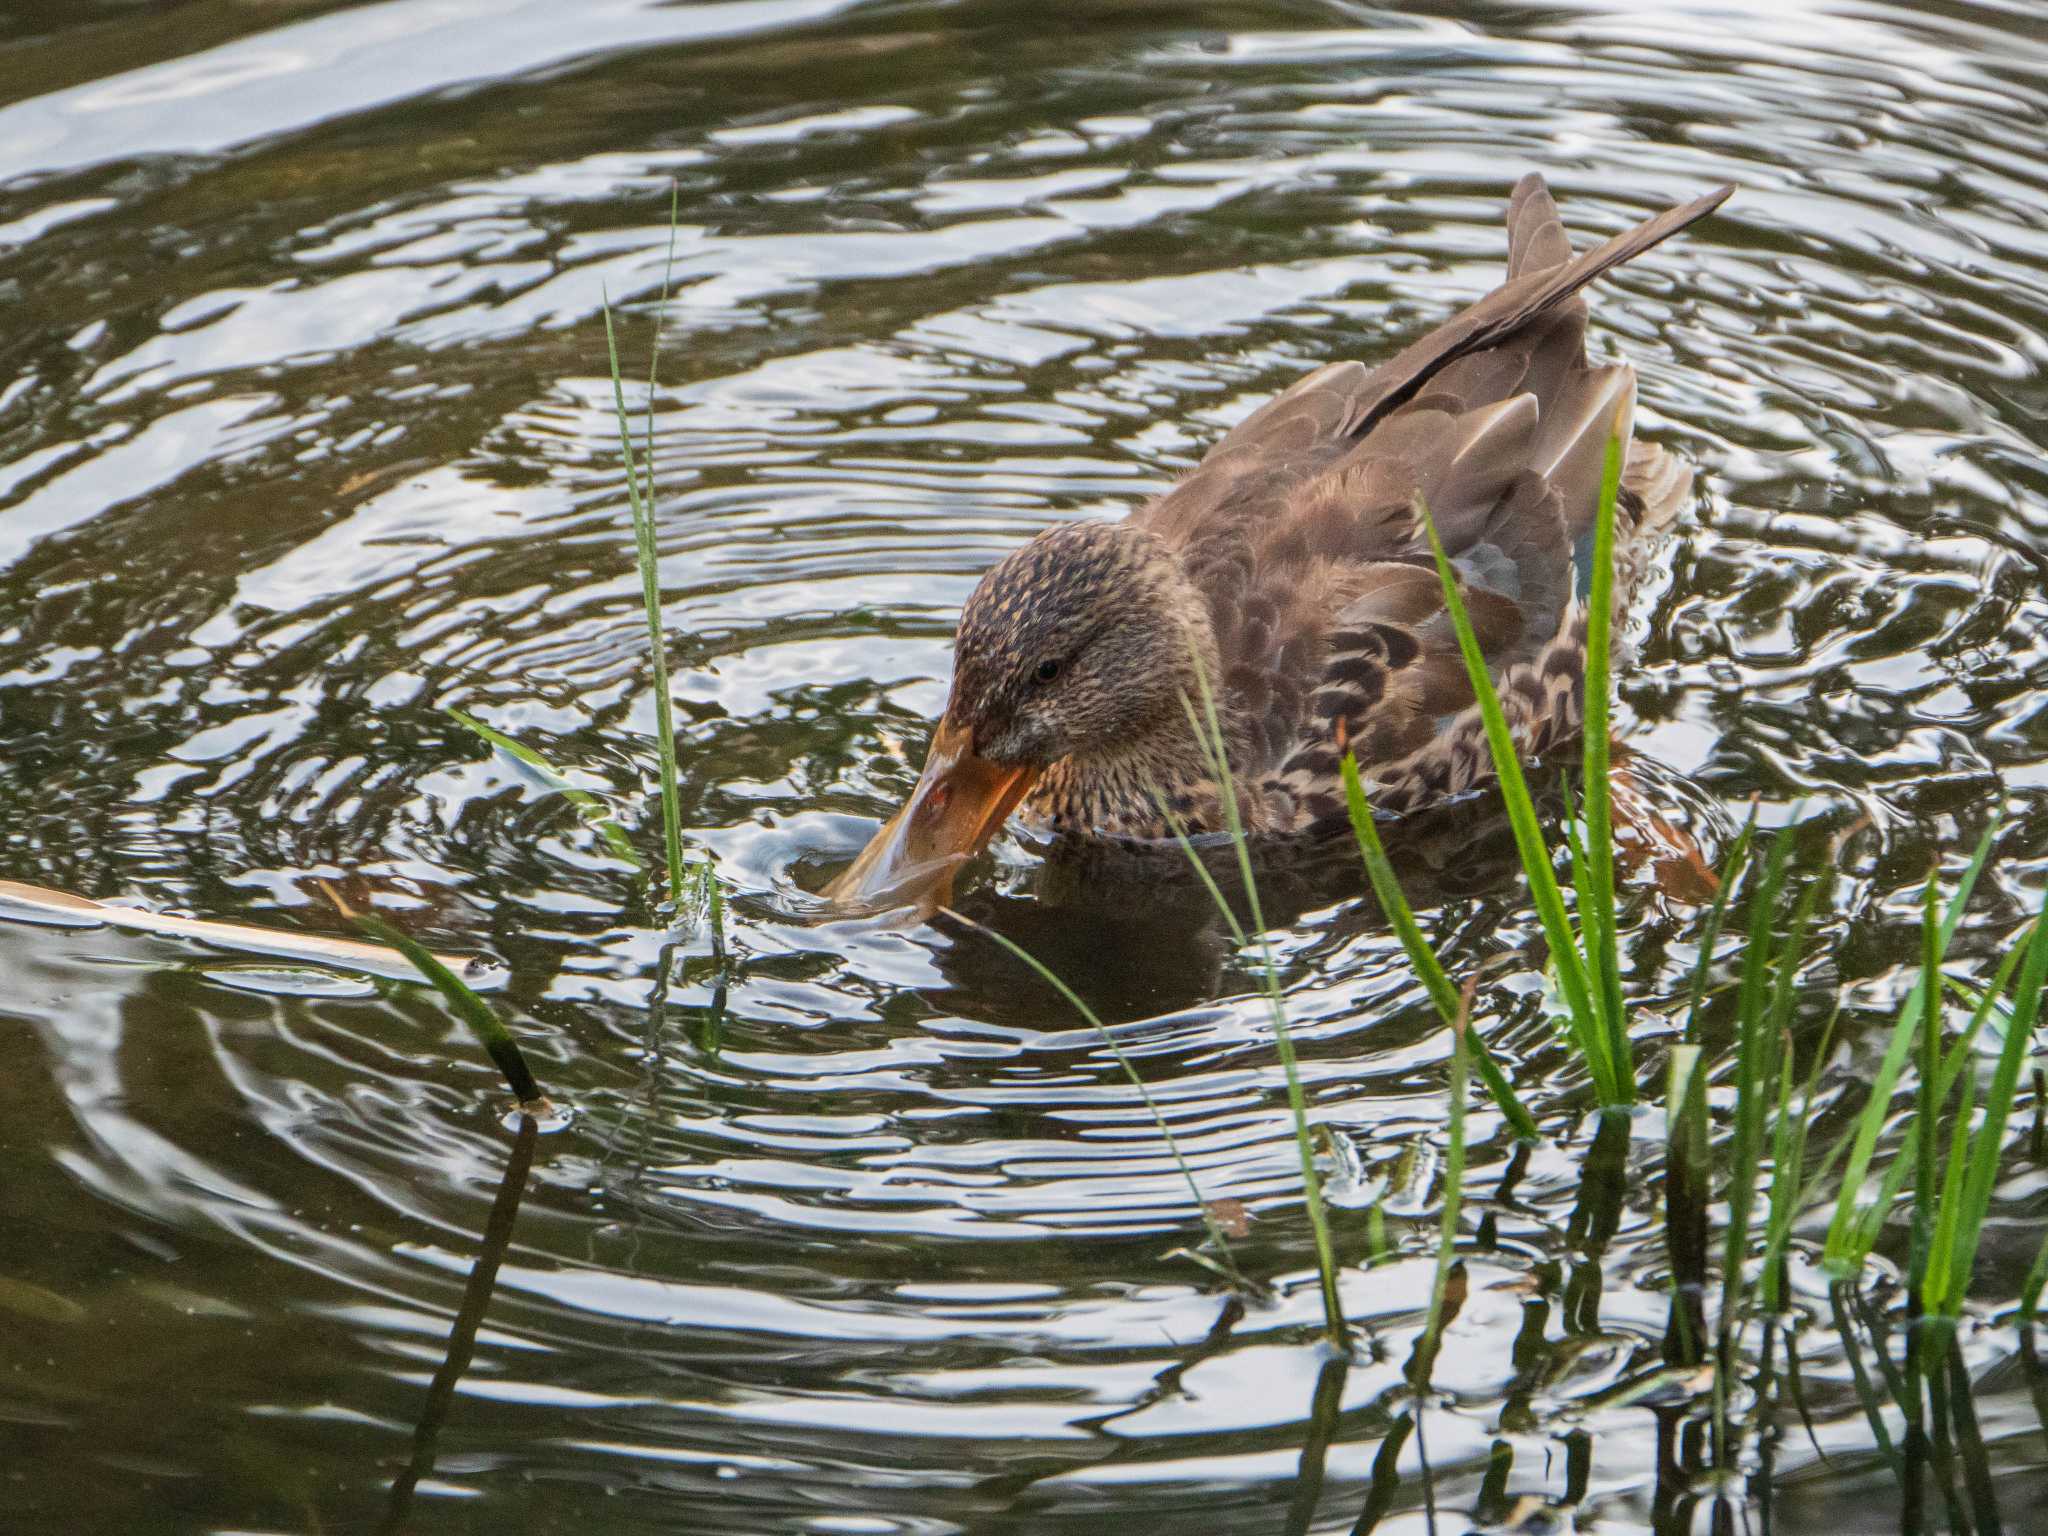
point(1209, 730)
point(689, 889)
point(1613, 1082)
point(1598, 919)
point(1710, 936)
point(1762, 1017)
point(1401, 918)
point(593, 809)
point(648, 558)
point(1850, 1229)
point(1075, 1001)
point(1950, 1267)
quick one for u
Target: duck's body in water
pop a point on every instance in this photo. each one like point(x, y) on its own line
point(1290, 574)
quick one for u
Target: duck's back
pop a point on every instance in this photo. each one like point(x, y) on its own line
point(1300, 528)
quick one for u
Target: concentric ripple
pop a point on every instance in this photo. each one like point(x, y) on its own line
point(308, 435)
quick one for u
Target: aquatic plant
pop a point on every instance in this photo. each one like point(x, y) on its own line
point(1401, 918)
point(1203, 1204)
point(592, 809)
point(1208, 727)
point(1770, 1116)
point(1584, 960)
point(1953, 1220)
point(693, 884)
point(482, 1019)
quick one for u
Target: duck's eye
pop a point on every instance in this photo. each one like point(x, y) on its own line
point(1048, 669)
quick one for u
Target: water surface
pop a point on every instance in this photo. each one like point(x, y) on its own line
point(307, 434)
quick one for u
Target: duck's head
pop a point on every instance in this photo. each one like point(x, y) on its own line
point(1077, 648)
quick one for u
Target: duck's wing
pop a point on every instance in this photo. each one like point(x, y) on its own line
point(1300, 525)
point(1388, 682)
point(1323, 415)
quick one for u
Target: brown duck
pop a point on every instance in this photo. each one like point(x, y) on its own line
point(1290, 571)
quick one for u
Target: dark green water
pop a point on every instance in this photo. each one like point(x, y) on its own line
point(306, 434)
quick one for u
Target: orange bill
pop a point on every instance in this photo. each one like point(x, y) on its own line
point(960, 802)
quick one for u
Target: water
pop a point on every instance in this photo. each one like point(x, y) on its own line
point(307, 434)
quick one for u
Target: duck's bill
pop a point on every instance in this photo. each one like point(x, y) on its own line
point(960, 802)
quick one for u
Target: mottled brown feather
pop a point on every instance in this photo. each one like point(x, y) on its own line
point(1298, 535)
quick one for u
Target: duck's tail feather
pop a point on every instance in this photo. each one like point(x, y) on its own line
point(1521, 299)
point(1536, 238)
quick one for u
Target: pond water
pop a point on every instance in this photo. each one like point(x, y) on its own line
point(307, 434)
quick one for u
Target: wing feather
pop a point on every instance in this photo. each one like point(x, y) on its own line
point(1300, 525)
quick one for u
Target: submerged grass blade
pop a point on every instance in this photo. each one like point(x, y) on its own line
point(482, 1019)
point(1688, 1188)
point(1380, 870)
point(593, 809)
point(1867, 1395)
point(40, 903)
point(1075, 1001)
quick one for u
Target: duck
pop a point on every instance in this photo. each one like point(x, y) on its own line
point(1287, 580)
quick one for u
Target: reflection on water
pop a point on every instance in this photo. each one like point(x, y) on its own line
point(305, 436)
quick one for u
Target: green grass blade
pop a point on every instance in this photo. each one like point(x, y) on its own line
point(1789, 1190)
point(649, 559)
point(2035, 1283)
point(1984, 1002)
point(1989, 1140)
point(1599, 921)
point(1380, 871)
point(1845, 1248)
point(1613, 1083)
point(1710, 935)
point(1787, 1143)
point(1869, 1222)
point(1075, 1001)
point(1454, 1195)
point(1985, 1007)
point(481, 1018)
point(1215, 748)
point(1979, 857)
point(1589, 911)
point(1928, 1110)
point(1778, 1034)
point(592, 809)
point(1754, 1042)
point(1936, 1278)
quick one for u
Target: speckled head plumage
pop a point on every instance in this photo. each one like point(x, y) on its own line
point(1078, 645)
point(1289, 570)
